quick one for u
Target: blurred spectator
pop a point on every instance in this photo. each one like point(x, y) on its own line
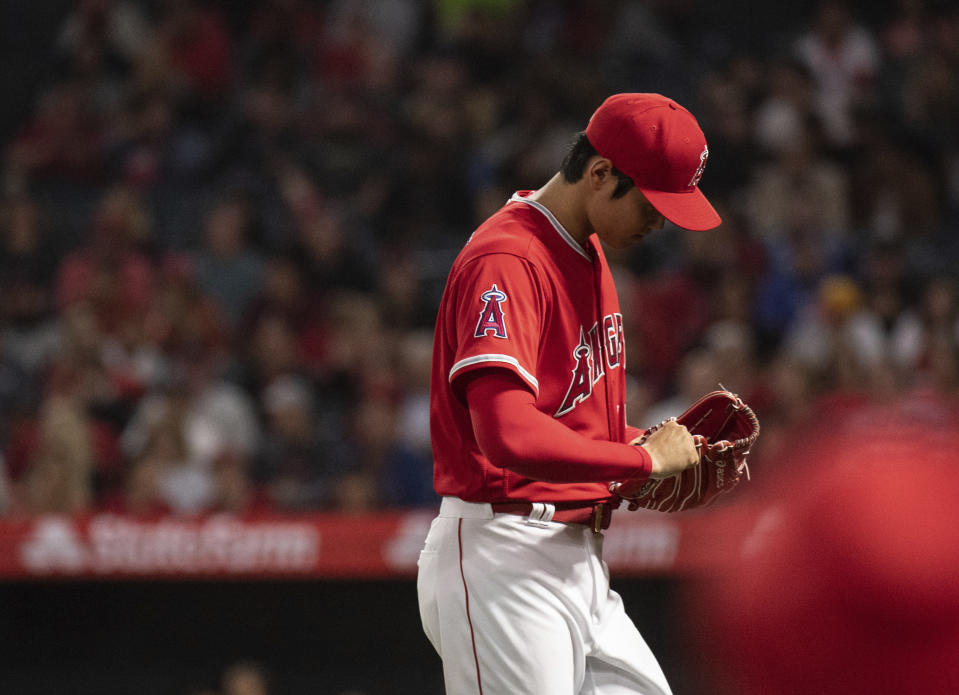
point(786, 110)
point(785, 402)
point(285, 299)
point(903, 35)
point(663, 336)
point(780, 193)
point(189, 54)
point(97, 44)
point(272, 352)
point(159, 478)
point(896, 194)
point(151, 147)
point(111, 271)
point(299, 465)
point(79, 368)
point(28, 264)
point(372, 433)
point(61, 141)
point(728, 123)
point(169, 476)
point(836, 338)
point(409, 477)
point(54, 461)
point(843, 58)
point(926, 338)
point(227, 268)
point(234, 489)
point(285, 30)
point(698, 374)
point(198, 418)
point(20, 391)
point(363, 43)
point(926, 82)
point(793, 273)
point(358, 344)
point(402, 293)
point(734, 345)
point(114, 30)
point(182, 321)
point(245, 678)
point(140, 495)
point(330, 259)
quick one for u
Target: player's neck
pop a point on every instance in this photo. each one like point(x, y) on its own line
point(565, 202)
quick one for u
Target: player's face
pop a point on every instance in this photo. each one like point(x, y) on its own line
point(624, 221)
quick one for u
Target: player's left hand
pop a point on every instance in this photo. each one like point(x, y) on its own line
point(724, 429)
point(671, 449)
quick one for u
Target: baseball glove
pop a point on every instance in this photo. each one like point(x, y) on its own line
point(723, 428)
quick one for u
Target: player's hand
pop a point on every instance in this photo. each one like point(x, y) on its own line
point(671, 449)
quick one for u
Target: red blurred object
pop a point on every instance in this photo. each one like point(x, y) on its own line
point(849, 581)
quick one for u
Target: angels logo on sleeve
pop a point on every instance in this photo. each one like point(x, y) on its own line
point(491, 317)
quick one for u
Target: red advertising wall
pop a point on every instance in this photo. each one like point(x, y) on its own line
point(382, 545)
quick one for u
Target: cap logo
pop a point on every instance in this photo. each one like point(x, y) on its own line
point(701, 168)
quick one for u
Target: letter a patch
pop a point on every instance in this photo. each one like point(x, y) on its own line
point(491, 316)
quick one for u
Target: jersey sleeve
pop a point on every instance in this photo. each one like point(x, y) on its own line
point(512, 433)
point(498, 315)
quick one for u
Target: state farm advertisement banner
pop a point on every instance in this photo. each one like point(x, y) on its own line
point(319, 546)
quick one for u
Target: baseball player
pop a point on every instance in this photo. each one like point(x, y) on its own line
point(528, 419)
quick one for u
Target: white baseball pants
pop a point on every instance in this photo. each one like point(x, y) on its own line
point(516, 606)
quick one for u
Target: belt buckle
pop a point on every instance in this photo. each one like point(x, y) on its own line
point(599, 511)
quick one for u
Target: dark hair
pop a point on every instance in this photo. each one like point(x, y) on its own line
point(580, 152)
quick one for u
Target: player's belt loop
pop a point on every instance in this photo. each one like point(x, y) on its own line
point(540, 514)
point(600, 517)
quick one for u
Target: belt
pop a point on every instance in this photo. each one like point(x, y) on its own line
point(595, 515)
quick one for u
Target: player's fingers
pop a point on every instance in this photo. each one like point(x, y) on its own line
point(676, 431)
point(694, 451)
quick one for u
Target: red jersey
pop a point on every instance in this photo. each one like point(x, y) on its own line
point(524, 295)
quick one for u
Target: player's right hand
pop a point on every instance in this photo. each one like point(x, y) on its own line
point(671, 449)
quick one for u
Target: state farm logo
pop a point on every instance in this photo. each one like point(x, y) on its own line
point(220, 544)
point(54, 547)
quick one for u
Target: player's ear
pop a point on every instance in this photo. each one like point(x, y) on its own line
point(598, 172)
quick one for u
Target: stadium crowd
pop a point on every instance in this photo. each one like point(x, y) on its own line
point(225, 227)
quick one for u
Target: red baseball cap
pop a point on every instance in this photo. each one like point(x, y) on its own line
point(660, 146)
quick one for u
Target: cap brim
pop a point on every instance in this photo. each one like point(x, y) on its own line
point(689, 209)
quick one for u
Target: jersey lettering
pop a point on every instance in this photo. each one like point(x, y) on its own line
point(613, 329)
point(581, 386)
point(588, 355)
point(596, 350)
point(491, 316)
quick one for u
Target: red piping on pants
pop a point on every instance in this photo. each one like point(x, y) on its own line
point(459, 538)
